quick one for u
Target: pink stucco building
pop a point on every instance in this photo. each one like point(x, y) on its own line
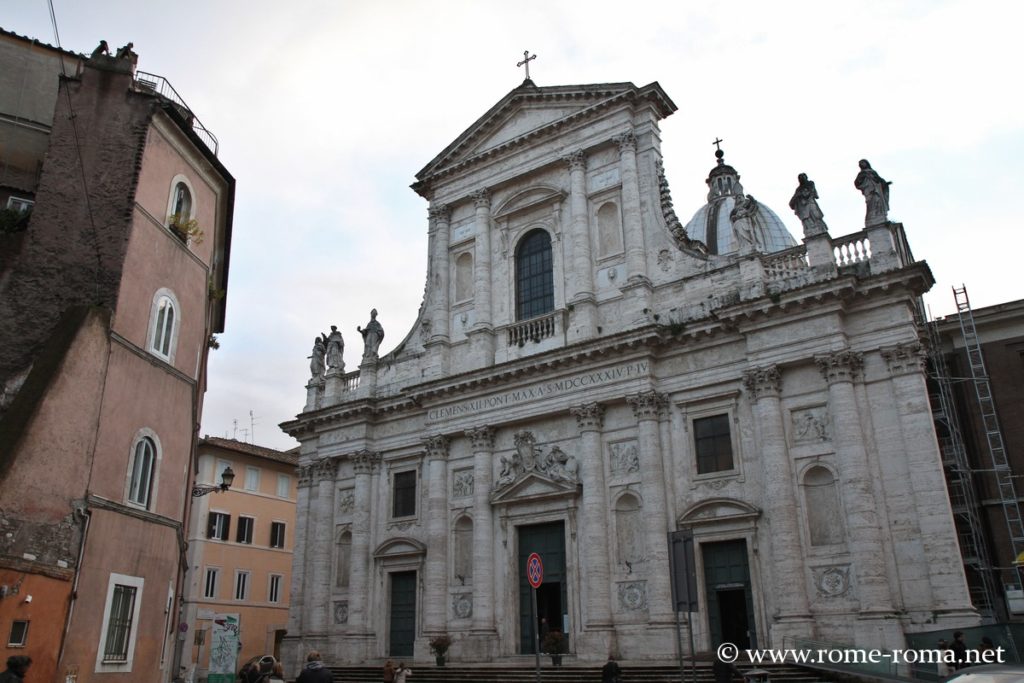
point(110, 293)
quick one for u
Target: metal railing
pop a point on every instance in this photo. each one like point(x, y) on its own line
point(158, 85)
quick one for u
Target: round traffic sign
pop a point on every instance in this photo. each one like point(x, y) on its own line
point(534, 570)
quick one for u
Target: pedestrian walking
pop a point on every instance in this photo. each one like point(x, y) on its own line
point(314, 671)
point(17, 667)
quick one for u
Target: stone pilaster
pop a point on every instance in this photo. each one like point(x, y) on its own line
point(596, 575)
point(581, 294)
point(763, 386)
point(840, 369)
point(321, 553)
point(482, 334)
point(482, 439)
point(435, 580)
point(364, 463)
point(298, 581)
point(648, 408)
point(440, 217)
point(906, 365)
point(636, 258)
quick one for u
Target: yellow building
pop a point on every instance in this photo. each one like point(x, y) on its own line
point(240, 551)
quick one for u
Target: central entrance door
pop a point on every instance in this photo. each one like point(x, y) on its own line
point(402, 626)
point(548, 541)
point(730, 599)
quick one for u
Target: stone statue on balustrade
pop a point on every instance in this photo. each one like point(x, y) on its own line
point(744, 217)
point(335, 345)
point(373, 335)
point(316, 360)
point(876, 194)
point(805, 204)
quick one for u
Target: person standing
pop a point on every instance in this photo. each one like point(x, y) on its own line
point(278, 674)
point(959, 648)
point(389, 672)
point(611, 672)
point(401, 673)
point(314, 671)
point(17, 667)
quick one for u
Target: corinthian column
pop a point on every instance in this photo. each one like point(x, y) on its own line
point(596, 576)
point(435, 584)
point(301, 556)
point(581, 294)
point(439, 266)
point(482, 334)
point(787, 556)
point(320, 553)
point(839, 370)
point(648, 407)
point(482, 439)
point(636, 259)
point(942, 560)
point(359, 571)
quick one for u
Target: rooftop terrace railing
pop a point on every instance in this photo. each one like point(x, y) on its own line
point(159, 85)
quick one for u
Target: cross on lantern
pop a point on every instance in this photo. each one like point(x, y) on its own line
point(526, 61)
point(717, 143)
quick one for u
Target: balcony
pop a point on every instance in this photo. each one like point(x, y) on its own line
point(158, 85)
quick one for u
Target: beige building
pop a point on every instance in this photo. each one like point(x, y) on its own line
point(239, 550)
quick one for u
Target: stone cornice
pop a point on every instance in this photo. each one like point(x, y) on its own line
point(482, 438)
point(648, 405)
point(764, 381)
point(841, 366)
point(905, 359)
point(589, 417)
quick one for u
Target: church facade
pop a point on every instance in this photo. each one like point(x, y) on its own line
point(588, 374)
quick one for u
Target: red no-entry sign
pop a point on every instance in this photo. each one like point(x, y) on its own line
point(534, 570)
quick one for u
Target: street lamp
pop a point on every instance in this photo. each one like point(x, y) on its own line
point(226, 478)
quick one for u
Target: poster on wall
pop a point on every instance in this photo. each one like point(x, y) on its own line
point(224, 646)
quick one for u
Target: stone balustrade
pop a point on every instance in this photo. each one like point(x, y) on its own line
point(534, 329)
point(851, 249)
point(785, 264)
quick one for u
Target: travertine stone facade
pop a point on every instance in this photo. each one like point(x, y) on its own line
point(772, 403)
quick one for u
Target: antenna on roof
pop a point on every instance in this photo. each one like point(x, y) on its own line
point(235, 436)
point(252, 426)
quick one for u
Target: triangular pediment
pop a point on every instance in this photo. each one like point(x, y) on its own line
point(534, 486)
point(530, 111)
point(718, 510)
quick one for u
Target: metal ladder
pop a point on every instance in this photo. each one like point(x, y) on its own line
point(990, 423)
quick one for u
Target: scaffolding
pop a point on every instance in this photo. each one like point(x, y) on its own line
point(1007, 494)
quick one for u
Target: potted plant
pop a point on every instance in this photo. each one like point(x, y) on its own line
point(439, 646)
point(554, 645)
point(187, 230)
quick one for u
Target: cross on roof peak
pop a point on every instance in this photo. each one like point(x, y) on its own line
point(527, 57)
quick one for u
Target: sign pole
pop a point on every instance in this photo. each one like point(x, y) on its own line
point(535, 575)
point(536, 633)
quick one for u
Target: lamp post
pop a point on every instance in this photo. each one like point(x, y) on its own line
point(226, 478)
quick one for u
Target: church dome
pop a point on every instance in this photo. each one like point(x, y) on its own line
point(712, 224)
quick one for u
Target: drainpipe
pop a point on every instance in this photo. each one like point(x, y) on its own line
point(87, 515)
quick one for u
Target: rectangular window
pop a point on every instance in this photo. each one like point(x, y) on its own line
point(19, 634)
point(274, 592)
point(241, 585)
point(284, 485)
point(252, 479)
point(210, 590)
point(19, 204)
point(119, 624)
point(219, 526)
point(404, 503)
point(713, 444)
point(277, 534)
point(245, 525)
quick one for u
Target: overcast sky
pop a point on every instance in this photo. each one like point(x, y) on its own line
point(326, 110)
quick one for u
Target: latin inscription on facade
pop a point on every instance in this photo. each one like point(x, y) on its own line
point(541, 390)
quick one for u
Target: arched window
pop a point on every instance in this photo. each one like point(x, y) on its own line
point(629, 530)
point(464, 277)
point(609, 230)
point(824, 519)
point(140, 485)
point(463, 547)
point(163, 326)
point(535, 284)
point(181, 202)
point(344, 558)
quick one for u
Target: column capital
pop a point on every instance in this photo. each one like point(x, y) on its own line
point(626, 142)
point(364, 461)
point(437, 447)
point(905, 359)
point(577, 160)
point(589, 417)
point(648, 405)
point(841, 366)
point(482, 438)
point(763, 381)
point(325, 469)
point(439, 212)
point(304, 474)
point(482, 199)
